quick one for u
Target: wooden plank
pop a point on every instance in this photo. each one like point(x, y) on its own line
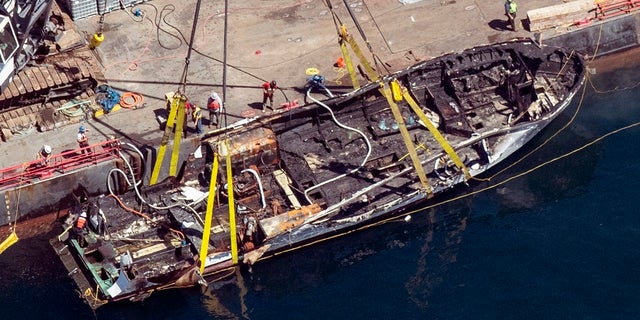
point(286, 221)
point(47, 76)
point(32, 79)
point(61, 66)
point(42, 82)
point(84, 69)
point(283, 180)
point(18, 82)
point(559, 15)
point(25, 81)
point(7, 94)
point(20, 112)
point(54, 75)
point(10, 123)
point(74, 70)
point(14, 90)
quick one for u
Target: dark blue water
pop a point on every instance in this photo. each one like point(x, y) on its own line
point(558, 243)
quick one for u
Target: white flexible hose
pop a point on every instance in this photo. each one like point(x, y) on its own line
point(255, 174)
point(364, 161)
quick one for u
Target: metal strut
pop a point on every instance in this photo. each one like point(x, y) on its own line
point(183, 80)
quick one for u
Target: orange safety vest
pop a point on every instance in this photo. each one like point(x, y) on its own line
point(81, 222)
point(214, 105)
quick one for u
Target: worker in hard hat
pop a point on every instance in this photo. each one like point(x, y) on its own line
point(197, 119)
point(82, 139)
point(214, 104)
point(268, 89)
point(44, 154)
point(79, 228)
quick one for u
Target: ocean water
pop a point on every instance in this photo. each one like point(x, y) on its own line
point(559, 242)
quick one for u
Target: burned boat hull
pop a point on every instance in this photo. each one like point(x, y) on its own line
point(333, 165)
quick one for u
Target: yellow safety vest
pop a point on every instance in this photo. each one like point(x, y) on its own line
point(197, 114)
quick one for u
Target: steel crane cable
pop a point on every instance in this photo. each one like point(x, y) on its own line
point(187, 60)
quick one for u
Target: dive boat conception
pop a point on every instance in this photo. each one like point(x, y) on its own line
point(284, 179)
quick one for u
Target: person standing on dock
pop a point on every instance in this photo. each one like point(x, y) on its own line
point(83, 141)
point(197, 119)
point(268, 89)
point(510, 10)
point(215, 106)
point(44, 155)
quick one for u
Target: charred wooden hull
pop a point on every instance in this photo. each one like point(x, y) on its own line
point(307, 173)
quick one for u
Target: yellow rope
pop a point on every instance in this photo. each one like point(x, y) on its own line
point(341, 72)
point(232, 271)
point(565, 63)
point(89, 294)
point(612, 90)
point(419, 146)
point(595, 51)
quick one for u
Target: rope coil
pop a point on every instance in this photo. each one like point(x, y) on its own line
point(131, 100)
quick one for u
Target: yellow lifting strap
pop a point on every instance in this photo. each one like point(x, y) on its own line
point(175, 154)
point(204, 246)
point(350, 69)
point(171, 120)
point(373, 76)
point(345, 37)
point(9, 241)
point(407, 138)
point(232, 208)
point(436, 134)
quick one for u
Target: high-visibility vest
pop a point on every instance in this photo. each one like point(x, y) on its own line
point(214, 105)
point(513, 7)
point(82, 219)
point(197, 114)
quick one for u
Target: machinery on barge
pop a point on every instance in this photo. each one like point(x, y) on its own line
point(42, 64)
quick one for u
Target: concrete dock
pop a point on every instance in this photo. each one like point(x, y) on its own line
point(266, 40)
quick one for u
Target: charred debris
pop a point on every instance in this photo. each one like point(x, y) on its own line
point(281, 180)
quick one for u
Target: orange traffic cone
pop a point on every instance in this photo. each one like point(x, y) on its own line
point(340, 63)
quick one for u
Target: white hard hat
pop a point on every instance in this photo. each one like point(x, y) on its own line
point(214, 95)
point(47, 148)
